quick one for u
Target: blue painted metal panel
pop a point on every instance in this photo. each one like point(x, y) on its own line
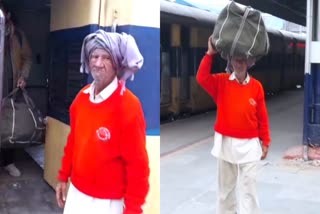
point(307, 108)
point(311, 129)
point(147, 82)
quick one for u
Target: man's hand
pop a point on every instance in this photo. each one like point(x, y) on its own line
point(211, 48)
point(265, 150)
point(61, 190)
point(21, 83)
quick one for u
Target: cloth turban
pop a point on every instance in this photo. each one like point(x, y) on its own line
point(122, 47)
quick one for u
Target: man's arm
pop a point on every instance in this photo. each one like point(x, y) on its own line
point(263, 122)
point(134, 154)
point(205, 79)
point(66, 164)
point(26, 57)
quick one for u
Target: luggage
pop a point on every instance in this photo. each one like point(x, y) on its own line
point(22, 124)
point(240, 31)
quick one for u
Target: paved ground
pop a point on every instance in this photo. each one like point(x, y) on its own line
point(188, 171)
point(28, 194)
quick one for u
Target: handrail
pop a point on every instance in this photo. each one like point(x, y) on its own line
point(2, 37)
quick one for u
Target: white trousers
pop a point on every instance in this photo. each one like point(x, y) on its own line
point(240, 177)
point(78, 203)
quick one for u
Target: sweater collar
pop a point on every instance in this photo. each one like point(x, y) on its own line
point(104, 94)
point(245, 82)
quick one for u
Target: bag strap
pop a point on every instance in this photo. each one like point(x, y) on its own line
point(12, 95)
point(255, 36)
point(243, 21)
point(224, 22)
point(27, 99)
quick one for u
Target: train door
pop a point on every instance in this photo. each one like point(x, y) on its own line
point(33, 18)
point(184, 72)
point(175, 69)
point(165, 77)
point(200, 101)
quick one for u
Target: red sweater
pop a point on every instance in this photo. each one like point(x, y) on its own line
point(109, 164)
point(241, 109)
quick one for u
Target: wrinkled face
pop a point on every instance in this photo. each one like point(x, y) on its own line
point(240, 65)
point(101, 66)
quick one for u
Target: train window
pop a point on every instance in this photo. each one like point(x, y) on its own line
point(184, 77)
point(185, 63)
point(185, 36)
point(165, 35)
point(165, 86)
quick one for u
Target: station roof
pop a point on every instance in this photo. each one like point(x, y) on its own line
point(179, 13)
point(290, 10)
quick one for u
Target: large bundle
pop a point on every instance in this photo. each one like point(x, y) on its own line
point(240, 31)
point(22, 123)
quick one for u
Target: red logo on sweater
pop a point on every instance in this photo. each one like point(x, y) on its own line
point(252, 102)
point(103, 134)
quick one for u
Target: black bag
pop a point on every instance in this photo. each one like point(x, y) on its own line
point(22, 124)
point(240, 31)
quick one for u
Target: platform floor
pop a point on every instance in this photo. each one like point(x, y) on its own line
point(188, 171)
point(28, 194)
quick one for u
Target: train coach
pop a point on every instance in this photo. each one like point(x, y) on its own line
point(55, 30)
point(184, 36)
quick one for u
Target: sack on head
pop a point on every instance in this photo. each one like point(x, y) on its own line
point(240, 31)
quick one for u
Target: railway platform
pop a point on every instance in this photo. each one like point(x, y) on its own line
point(188, 170)
point(28, 194)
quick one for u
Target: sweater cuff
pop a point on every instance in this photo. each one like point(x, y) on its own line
point(132, 211)
point(62, 178)
point(209, 55)
point(266, 143)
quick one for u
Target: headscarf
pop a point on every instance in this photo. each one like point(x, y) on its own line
point(123, 49)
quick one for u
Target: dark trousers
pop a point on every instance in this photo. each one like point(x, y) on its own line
point(6, 156)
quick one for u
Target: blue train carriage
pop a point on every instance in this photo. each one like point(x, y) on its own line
point(71, 21)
